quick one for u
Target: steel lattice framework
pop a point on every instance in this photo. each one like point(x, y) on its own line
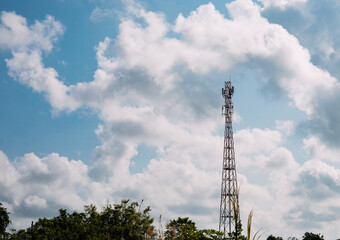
point(229, 177)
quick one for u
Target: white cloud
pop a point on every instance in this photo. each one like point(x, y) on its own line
point(36, 187)
point(28, 69)
point(283, 3)
point(315, 196)
point(293, 197)
point(99, 15)
point(8, 178)
point(174, 179)
point(30, 163)
point(286, 127)
point(320, 151)
point(280, 159)
point(255, 142)
point(17, 36)
point(207, 41)
point(27, 43)
point(35, 202)
point(166, 183)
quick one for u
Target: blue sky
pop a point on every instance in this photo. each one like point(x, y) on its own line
point(104, 100)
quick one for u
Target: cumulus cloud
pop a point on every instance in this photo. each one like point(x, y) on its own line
point(179, 175)
point(37, 187)
point(315, 195)
point(8, 178)
point(286, 127)
point(99, 15)
point(17, 36)
point(324, 122)
point(174, 178)
point(288, 195)
point(255, 142)
point(35, 202)
point(283, 3)
point(27, 43)
point(318, 150)
point(207, 41)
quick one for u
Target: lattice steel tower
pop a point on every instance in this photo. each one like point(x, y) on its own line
point(229, 177)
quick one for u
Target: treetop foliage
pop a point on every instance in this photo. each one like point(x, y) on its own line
point(312, 236)
point(124, 221)
point(271, 237)
point(4, 219)
point(118, 221)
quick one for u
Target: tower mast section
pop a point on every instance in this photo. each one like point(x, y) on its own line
point(229, 177)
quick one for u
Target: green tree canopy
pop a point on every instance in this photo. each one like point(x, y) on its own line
point(119, 221)
point(185, 229)
point(205, 234)
point(271, 237)
point(312, 236)
point(180, 228)
point(125, 221)
point(4, 219)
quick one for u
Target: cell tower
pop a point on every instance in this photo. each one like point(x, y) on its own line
point(229, 177)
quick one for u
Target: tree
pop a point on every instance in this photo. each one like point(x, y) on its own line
point(185, 229)
point(271, 237)
point(93, 224)
point(205, 234)
point(124, 221)
point(181, 228)
point(64, 226)
point(312, 236)
point(4, 219)
point(120, 221)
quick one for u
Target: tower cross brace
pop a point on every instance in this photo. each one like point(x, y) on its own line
point(229, 178)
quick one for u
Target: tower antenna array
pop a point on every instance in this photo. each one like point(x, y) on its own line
point(229, 177)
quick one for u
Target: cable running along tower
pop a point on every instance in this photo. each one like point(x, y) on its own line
point(229, 177)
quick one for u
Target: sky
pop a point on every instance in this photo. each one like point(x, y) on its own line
point(104, 100)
